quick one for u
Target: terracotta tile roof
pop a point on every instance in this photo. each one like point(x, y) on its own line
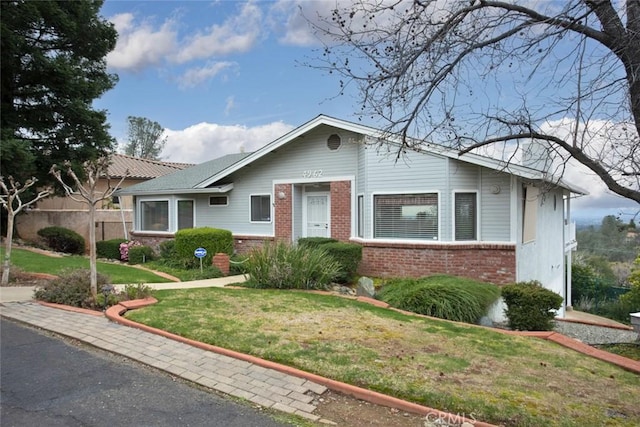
point(142, 168)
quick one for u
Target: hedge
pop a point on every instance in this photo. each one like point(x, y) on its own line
point(140, 254)
point(109, 249)
point(348, 255)
point(214, 240)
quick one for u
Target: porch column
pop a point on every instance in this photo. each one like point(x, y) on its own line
point(341, 210)
point(283, 222)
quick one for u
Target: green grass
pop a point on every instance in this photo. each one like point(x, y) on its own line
point(118, 273)
point(509, 380)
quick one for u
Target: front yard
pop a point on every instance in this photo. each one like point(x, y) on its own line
point(459, 368)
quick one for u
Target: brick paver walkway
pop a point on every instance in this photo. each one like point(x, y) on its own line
point(265, 387)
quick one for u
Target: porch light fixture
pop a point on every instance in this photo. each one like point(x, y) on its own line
point(281, 195)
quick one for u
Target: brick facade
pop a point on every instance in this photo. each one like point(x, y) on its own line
point(341, 210)
point(243, 244)
point(283, 212)
point(486, 262)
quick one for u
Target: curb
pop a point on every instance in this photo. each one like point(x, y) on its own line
point(115, 313)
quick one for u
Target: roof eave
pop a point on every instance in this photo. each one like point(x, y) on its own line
point(209, 190)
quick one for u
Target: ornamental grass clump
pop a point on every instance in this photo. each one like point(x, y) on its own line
point(445, 297)
point(282, 266)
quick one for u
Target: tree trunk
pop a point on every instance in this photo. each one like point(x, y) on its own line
point(93, 265)
point(6, 265)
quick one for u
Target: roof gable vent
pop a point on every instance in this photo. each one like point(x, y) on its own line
point(334, 142)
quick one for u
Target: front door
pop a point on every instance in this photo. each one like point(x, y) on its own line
point(317, 215)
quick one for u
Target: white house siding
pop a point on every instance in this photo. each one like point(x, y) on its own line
point(495, 206)
point(287, 164)
point(543, 258)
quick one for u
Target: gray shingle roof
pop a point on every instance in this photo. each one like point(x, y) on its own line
point(186, 179)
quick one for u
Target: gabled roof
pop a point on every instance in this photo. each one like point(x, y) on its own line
point(141, 168)
point(185, 180)
point(199, 178)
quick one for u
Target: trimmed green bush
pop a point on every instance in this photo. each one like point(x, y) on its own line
point(63, 240)
point(140, 254)
point(314, 242)
point(445, 297)
point(214, 240)
point(348, 255)
point(72, 287)
point(109, 249)
point(282, 266)
point(530, 307)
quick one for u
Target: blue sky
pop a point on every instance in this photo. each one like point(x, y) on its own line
point(226, 76)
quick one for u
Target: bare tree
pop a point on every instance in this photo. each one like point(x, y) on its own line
point(483, 73)
point(11, 200)
point(89, 194)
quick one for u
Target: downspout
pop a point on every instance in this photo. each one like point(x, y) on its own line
point(124, 224)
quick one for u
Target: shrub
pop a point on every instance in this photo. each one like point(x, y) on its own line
point(109, 249)
point(140, 254)
point(167, 249)
point(348, 255)
point(445, 297)
point(585, 283)
point(72, 287)
point(238, 264)
point(138, 291)
point(125, 247)
point(314, 242)
point(282, 266)
point(214, 240)
point(62, 239)
point(530, 307)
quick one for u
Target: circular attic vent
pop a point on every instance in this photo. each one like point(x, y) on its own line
point(334, 142)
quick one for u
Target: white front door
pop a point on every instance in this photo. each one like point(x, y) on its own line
point(317, 215)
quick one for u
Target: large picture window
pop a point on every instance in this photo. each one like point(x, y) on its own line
point(466, 216)
point(261, 208)
point(185, 214)
point(154, 215)
point(406, 216)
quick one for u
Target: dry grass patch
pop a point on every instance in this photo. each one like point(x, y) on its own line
point(453, 367)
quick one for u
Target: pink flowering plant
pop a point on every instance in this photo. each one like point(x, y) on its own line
point(124, 249)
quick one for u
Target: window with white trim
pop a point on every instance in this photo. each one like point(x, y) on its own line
point(466, 216)
point(185, 214)
point(154, 215)
point(218, 200)
point(261, 208)
point(406, 216)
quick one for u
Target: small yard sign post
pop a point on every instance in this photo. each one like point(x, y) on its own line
point(200, 253)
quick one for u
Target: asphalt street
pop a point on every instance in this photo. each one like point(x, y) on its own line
point(49, 381)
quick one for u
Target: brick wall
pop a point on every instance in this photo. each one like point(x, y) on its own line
point(341, 210)
point(283, 212)
point(151, 240)
point(244, 244)
point(485, 262)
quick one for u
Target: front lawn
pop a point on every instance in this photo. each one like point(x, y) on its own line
point(118, 273)
point(515, 381)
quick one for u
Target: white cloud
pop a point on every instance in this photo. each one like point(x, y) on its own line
point(139, 44)
point(195, 76)
point(231, 101)
point(237, 34)
point(206, 141)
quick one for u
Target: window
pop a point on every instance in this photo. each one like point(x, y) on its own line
point(406, 216)
point(218, 200)
point(185, 214)
point(360, 216)
point(261, 208)
point(154, 215)
point(466, 216)
point(530, 213)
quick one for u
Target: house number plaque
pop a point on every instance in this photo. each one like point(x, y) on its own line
point(312, 173)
